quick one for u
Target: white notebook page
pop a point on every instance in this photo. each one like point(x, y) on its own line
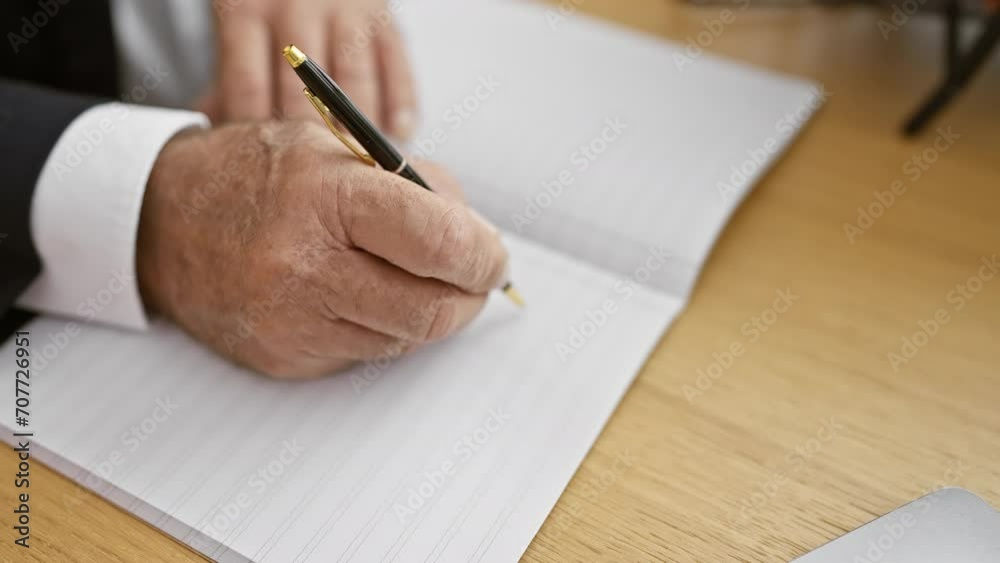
point(364, 447)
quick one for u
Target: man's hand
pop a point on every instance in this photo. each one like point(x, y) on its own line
point(279, 249)
point(354, 40)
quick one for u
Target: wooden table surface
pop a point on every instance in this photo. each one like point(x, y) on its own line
point(744, 469)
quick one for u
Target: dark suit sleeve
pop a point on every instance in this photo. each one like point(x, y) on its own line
point(31, 121)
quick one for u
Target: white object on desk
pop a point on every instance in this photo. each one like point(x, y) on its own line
point(949, 524)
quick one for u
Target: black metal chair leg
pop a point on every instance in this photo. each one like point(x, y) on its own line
point(953, 15)
point(961, 70)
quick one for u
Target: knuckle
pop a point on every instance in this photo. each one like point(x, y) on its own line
point(260, 141)
point(452, 251)
point(487, 271)
point(344, 184)
point(291, 146)
point(341, 202)
point(479, 270)
point(441, 319)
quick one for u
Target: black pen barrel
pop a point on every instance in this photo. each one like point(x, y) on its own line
point(347, 113)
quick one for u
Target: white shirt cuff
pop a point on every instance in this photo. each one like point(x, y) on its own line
point(85, 212)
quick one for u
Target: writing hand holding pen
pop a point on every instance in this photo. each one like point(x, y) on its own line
point(278, 248)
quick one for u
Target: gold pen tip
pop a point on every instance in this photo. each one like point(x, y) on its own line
point(513, 294)
point(293, 55)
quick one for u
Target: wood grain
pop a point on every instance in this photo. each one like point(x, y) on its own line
point(742, 471)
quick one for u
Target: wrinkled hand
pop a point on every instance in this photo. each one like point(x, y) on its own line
point(356, 41)
point(276, 247)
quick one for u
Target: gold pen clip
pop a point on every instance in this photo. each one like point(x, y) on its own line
point(324, 112)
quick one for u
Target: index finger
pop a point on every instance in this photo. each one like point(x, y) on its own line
point(244, 68)
point(417, 230)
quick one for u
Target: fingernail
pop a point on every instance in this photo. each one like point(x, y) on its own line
point(404, 123)
point(492, 228)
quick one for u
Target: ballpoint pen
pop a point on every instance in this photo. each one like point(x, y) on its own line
point(332, 103)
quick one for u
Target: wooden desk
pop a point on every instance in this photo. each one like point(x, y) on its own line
point(695, 466)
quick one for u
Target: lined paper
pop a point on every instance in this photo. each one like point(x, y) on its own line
point(364, 446)
point(458, 451)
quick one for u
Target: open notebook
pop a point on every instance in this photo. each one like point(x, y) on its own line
point(459, 451)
